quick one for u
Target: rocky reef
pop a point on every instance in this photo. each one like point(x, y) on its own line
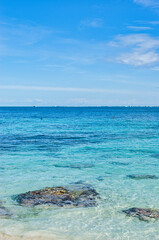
point(77, 195)
point(4, 212)
point(142, 176)
point(143, 214)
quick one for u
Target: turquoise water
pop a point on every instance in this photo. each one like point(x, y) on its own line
point(80, 144)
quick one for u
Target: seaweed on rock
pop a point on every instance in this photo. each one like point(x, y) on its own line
point(75, 196)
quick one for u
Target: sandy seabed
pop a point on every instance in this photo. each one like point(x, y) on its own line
point(4, 236)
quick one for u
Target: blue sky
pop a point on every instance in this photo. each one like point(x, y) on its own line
point(79, 53)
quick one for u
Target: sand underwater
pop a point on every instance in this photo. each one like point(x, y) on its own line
point(79, 173)
point(8, 237)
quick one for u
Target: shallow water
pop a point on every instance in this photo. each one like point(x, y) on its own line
point(80, 144)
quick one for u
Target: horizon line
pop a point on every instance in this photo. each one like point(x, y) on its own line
point(51, 106)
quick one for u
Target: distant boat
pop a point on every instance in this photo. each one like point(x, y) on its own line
point(34, 106)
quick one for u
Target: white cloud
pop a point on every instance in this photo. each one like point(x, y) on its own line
point(54, 66)
point(24, 34)
point(81, 59)
point(57, 89)
point(154, 22)
point(94, 23)
point(147, 23)
point(155, 68)
point(36, 100)
point(142, 41)
point(139, 28)
point(147, 3)
point(139, 59)
point(137, 49)
point(79, 90)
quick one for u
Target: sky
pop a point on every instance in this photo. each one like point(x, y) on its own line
point(79, 53)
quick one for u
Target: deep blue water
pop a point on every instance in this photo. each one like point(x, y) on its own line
point(97, 145)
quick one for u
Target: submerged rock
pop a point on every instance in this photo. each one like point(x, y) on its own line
point(156, 155)
point(76, 165)
point(142, 213)
point(142, 176)
point(100, 178)
point(81, 195)
point(119, 163)
point(4, 212)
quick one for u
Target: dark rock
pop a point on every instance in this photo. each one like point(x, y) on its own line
point(100, 178)
point(142, 176)
point(77, 165)
point(119, 163)
point(156, 155)
point(108, 173)
point(142, 213)
point(81, 195)
point(83, 183)
point(4, 212)
point(82, 187)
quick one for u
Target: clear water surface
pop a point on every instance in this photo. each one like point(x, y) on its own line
point(106, 144)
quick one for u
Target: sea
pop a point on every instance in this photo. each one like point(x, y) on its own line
point(102, 146)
